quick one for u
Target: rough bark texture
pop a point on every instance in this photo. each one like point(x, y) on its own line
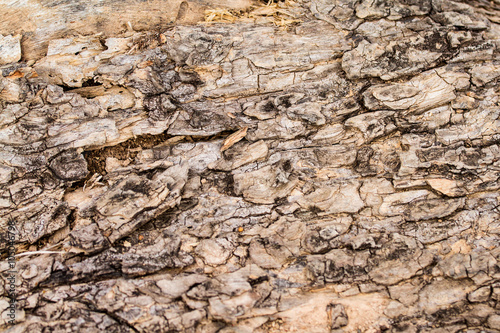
point(339, 175)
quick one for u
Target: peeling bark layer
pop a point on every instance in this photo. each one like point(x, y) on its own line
point(339, 175)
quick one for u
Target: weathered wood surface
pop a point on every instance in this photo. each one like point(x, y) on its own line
point(339, 175)
point(40, 21)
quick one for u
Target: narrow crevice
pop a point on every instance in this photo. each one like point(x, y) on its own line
point(93, 307)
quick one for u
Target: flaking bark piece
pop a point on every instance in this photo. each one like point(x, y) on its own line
point(234, 138)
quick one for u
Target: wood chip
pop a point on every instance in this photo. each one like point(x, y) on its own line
point(233, 138)
point(163, 39)
point(17, 74)
point(145, 64)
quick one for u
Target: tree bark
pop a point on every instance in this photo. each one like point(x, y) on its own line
point(322, 166)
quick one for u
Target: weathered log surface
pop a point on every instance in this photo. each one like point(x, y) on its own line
point(340, 175)
point(39, 21)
